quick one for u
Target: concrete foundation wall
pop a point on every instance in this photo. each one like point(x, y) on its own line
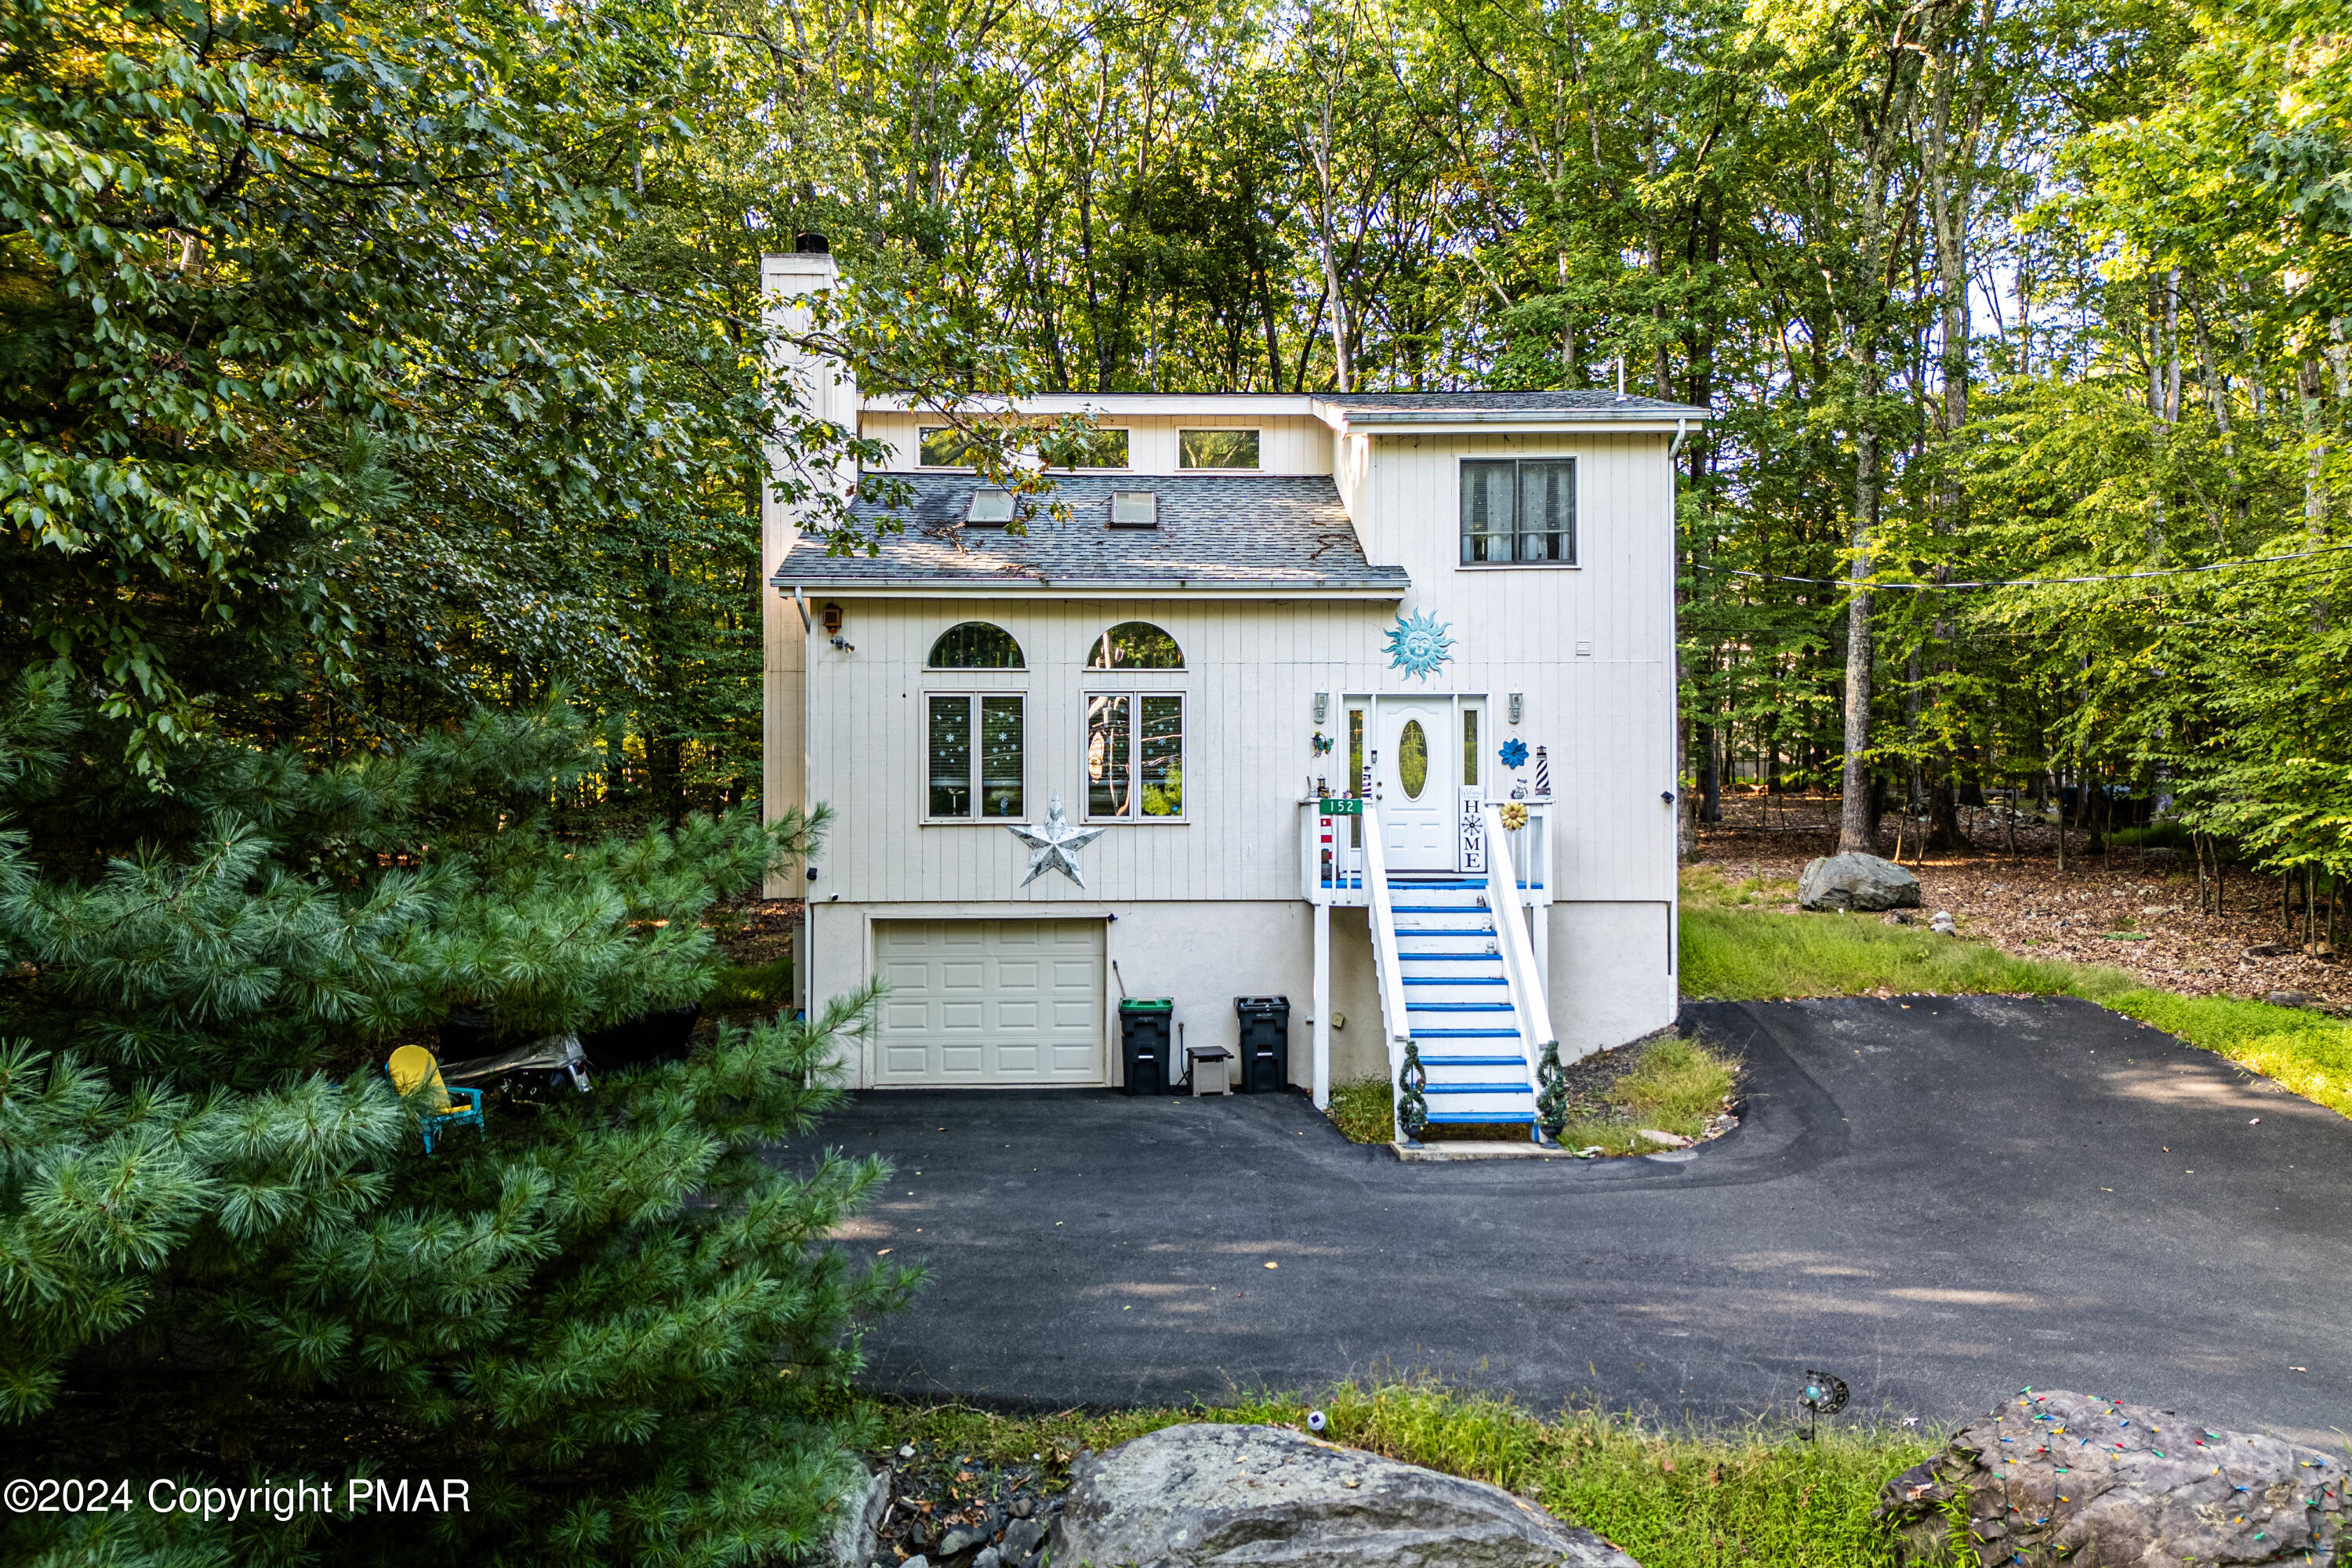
point(1609, 978)
point(1202, 954)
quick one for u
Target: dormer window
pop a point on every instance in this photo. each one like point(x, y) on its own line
point(1134, 509)
point(990, 507)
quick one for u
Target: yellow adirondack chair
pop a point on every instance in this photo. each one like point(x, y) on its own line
point(413, 1071)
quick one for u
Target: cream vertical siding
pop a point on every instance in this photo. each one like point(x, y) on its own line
point(1252, 671)
point(1607, 718)
point(825, 389)
point(1288, 444)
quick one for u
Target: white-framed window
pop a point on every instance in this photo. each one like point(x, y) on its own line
point(942, 447)
point(1103, 447)
point(1216, 449)
point(975, 756)
point(1518, 511)
point(1135, 757)
point(975, 644)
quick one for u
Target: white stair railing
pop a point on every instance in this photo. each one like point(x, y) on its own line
point(1539, 1046)
point(1388, 970)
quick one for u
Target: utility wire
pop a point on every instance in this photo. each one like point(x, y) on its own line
point(2019, 582)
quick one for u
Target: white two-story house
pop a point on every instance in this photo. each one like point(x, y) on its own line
point(1372, 698)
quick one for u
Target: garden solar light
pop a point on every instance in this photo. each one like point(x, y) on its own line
point(1823, 1395)
point(1317, 1421)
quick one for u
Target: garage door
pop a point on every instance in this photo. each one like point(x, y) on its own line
point(991, 1002)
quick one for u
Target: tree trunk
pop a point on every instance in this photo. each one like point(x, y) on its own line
point(1853, 826)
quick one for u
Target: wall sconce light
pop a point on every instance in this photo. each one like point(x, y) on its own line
point(1322, 706)
point(831, 616)
point(1518, 705)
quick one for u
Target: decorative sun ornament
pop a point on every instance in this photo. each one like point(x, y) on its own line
point(1418, 645)
point(1053, 846)
point(1514, 753)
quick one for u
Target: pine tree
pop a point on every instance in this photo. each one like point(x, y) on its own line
point(225, 1255)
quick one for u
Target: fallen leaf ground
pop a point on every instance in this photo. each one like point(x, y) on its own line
point(2022, 904)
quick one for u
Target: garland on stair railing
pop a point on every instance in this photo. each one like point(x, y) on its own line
point(1412, 1110)
point(1551, 1093)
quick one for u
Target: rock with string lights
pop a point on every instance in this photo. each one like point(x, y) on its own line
point(2053, 1476)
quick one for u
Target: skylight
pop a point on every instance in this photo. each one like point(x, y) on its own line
point(1134, 509)
point(991, 506)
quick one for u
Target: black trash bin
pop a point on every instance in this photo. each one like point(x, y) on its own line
point(1143, 1042)
point(1265, 1044)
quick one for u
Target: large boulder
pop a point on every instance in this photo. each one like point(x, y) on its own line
point(1188, 1497)
point(850, 1542)
point(2055, 1477)
point(1856, 881)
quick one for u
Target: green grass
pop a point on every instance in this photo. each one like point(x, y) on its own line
point(767, 988)
point(1676, 1087)
point(1673, 1497)
point(1364, 1109)
point(1731, 956)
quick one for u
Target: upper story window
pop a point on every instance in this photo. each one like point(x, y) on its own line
point(1217, 449)
point(975, 644)
point(1100, 449)
point(1518, 511)
point(1135, 645)
point(942, 447)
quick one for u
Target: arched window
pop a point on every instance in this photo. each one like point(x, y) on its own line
point(976, 645)
point(1135, 645)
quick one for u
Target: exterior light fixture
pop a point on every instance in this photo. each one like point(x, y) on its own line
point(1518, 706)
point(1824, 1395)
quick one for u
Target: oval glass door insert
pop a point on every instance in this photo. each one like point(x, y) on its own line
point(1413, 759)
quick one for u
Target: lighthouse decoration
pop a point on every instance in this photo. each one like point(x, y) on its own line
point(1543, 775)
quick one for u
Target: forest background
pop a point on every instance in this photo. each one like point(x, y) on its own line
point(1979, 290)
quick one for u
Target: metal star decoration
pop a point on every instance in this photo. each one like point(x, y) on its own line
point(1418, 645)
point(1051, 848)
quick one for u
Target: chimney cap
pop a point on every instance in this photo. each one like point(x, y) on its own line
point(809, 242)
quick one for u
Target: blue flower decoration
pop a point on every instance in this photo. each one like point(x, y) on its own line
point(1514, 753)
point(1418, 645)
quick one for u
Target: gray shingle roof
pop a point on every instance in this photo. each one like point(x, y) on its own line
point(1215, 530)
point(1512, 401)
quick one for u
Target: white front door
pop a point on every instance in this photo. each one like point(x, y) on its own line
point(990, 1001)
point(1419, 803)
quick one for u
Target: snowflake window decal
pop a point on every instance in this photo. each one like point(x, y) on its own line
point(1514, 753)
point(1418, 645)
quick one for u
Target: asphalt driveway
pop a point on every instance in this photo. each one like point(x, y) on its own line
point(1940, 1200)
